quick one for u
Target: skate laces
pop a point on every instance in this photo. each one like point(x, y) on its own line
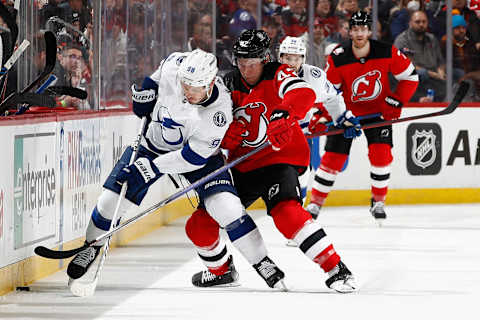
point(85, 257)
point(208, 276)
point(266, 269)
point(378, 206)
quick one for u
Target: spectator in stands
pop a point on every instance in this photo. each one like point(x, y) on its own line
point(341, 36)
point(438, 23)
point(295, 18)
point(466, 57)
point(325, 15)
point(225, 11)
point(76, 9)
point(50, 9)
point(244, 18)
point(316, 56)
point(201, 33)
point(475, 7)
point(424, 50)
point(385, 9)
point(274, 32)
point(400, 15)
point(69, 71)
point(346, 8)
point(202, 37)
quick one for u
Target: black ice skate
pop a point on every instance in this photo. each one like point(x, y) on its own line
point(82, 262)
point(207, 279)
point(272, 275)
point(377, 209)
point(341, 279)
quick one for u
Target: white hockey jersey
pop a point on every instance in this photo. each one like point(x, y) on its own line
point(185, 135)
point(326, 93)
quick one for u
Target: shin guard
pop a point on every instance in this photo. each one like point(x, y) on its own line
point(380, 157)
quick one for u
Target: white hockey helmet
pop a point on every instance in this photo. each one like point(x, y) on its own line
point(293, 45)
point(198, 69)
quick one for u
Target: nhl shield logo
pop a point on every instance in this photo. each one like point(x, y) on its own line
point(423, 148)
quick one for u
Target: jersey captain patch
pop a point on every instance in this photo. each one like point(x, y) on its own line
point(367, 86)
point(219, 119)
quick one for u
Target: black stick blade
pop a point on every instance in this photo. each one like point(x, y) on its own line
point(460, 94)
point(50, 59)
point(54, 254)
point(68, 91)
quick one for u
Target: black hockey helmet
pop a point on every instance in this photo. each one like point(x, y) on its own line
point(252, 44)
point(360, 18)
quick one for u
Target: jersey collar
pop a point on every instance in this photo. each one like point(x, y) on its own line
point(213, 97)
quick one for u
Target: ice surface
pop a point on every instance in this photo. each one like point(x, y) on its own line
point(423, 264)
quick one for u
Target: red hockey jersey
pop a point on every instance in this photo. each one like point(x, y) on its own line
point(365, 82)
point(279, 88)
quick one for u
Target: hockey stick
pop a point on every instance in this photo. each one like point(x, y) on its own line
point(51, 80)
point(8, 65)
point(35, 99)
point(81, 289)
point(457, 99)
point(12, 25)
point(331, 123)
point(68, 91)
point(51, 57)
point(14, 57)
point(58, 254)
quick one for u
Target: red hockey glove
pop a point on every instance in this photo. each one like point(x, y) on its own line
point(318, 122)
point(233, 137)
point(392, 108)
point(280, 130)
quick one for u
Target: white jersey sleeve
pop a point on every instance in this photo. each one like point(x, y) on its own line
point(326, 93)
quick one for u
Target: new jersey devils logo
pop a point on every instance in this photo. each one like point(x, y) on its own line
point(253, 114)
point(367, 86)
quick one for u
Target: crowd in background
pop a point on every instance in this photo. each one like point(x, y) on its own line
point(135, 35)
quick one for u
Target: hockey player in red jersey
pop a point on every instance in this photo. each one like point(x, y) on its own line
point(268, 100)
point(361, 71)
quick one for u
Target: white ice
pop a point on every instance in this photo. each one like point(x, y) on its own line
point(424, 263)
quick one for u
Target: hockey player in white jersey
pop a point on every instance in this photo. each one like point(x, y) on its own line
point(329, 103)
point(188, 110)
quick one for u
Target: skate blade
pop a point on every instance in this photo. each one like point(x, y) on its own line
point(227, 285)
point(82, 289)
point(346, 286)
point(224, 285)
point(380, 222)
point(281, 286)
point(291, 243)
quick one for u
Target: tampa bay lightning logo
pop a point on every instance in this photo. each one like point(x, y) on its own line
point(171, 130)
point(220, 119)
point(316, 73)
